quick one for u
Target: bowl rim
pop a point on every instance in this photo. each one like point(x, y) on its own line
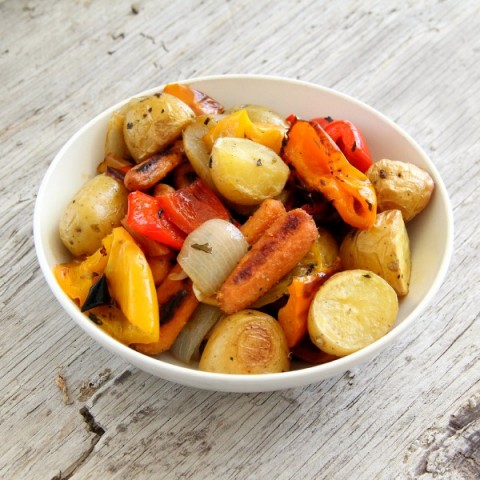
point(236, 382)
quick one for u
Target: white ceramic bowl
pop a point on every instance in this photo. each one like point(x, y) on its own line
point(431, 233)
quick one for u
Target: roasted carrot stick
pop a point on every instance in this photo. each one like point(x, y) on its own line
point(277, 251)
point(256, 225)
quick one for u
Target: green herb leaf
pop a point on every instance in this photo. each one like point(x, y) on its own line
point(205, 247)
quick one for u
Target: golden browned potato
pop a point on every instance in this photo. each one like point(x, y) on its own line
point(384, 249)
point(246, 342)
point(153, 123)
point(246, 172)
point(402, 186)
point(351, 310)
point(96, 209)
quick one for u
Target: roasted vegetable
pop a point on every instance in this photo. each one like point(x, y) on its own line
point(244, 343)
point(145, 216)
point(350, 311)
point(196, 149)
point(131, 285)
point(96, 209)
point(192, 205)
point(187, 345)
point(262, 115)
point(114, 139)
point(176, 303)
point(77, 277)
point(321, 166)
point(246, 172)
point(154, 123)
point(384, 249)
point(402, 186)
point(198, 101)
point(210, 253)
point(261, 220)
point(239, 125)
point(152, 170)
point(349, 139)
point(277, 251)
point(293, 317)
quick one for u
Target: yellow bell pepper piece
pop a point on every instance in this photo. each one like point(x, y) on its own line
point(239, 125)
point(77, 277)
point(131, 284)
point(112, 320)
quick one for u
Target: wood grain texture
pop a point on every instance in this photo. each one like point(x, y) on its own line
point(412, 412)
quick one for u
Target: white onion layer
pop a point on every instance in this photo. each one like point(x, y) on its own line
point(210, 253)
point(187, 345)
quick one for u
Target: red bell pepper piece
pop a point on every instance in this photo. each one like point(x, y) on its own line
point(349, 139)
point(190, 206)
point(145, 216)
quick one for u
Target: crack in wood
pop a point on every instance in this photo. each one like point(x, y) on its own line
point(90, 420)
point(455, 448)
point(94, 427)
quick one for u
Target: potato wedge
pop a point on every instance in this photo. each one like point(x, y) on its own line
point(402, 186)
point(246, 342)
point(351, 310)
point(246, 172)
point(153, 123)
point(384, 249)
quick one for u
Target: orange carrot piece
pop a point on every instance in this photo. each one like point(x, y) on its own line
point(261, 220)
point(177, 302)
point(277, 252)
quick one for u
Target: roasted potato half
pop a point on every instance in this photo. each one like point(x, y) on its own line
point(402, 186)
point(246, 342)
point(153, 123)
point(96, 209)
point(351, 310)
point(246, 172)
point(384, 249)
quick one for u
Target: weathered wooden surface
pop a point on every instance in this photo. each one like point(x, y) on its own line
point(69, 409)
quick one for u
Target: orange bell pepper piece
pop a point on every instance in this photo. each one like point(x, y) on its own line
point(239, 125)
point(322, 166)
point(113, 321)
point(293, 317)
